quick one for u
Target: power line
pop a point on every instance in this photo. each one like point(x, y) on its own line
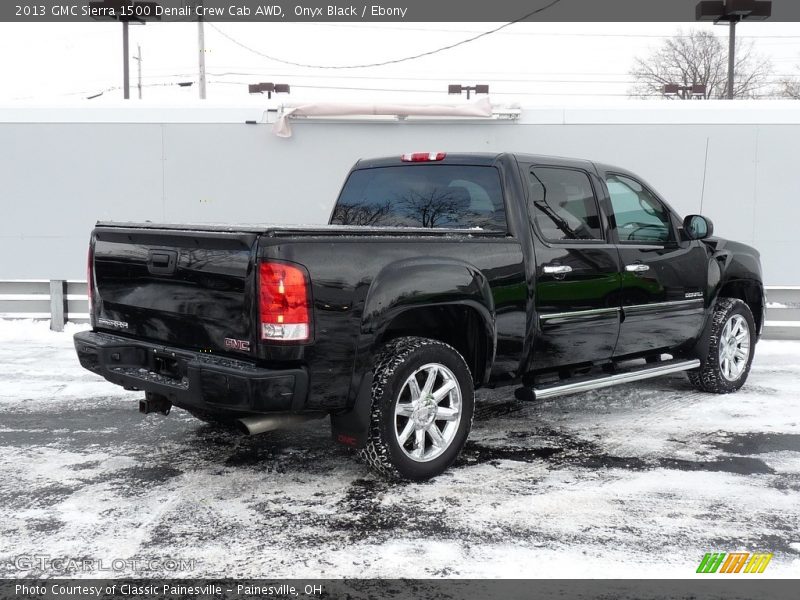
point(491, 79)
point(97, 92)
point(371, 26)
point(494, 93)
point(392, 61)
point(438, 91)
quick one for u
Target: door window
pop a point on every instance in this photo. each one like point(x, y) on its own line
point(640, 216)
point(563, 205)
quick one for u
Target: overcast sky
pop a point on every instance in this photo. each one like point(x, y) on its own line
point(530, 63)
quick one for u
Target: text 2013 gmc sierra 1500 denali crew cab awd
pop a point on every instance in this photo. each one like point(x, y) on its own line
point(438, 274)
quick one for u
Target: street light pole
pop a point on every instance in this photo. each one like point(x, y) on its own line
point(112, 9)
point(126, 75)
point(731, 58)
point(458, 89)
point(732, 11)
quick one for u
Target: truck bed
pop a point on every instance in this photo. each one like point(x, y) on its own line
point(276, 230)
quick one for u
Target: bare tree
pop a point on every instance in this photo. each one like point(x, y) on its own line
point(360, 214)
point(700, 58)
point(789, 87)
point(434, 208)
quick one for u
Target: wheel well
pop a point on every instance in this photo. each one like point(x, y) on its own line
point(748, 292)
point(460, 326)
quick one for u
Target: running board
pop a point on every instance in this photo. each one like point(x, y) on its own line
point(584, 384)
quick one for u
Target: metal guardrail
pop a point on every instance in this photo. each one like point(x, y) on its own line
point(783, 313)
point(57, 300)
point(61, 301)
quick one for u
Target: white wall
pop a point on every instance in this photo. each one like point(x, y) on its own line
point(63, 169)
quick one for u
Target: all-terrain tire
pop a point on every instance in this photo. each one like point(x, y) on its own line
point(710, 376)
point(395, 364)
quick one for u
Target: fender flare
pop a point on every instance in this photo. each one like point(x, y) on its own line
point(395, 290)
point(724, 268)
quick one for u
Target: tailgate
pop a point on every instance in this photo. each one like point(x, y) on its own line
point(192, 289)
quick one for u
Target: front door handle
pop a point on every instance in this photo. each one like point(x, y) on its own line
point(557, 269)
point(637, 268)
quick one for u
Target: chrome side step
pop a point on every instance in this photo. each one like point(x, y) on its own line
point(585, 384)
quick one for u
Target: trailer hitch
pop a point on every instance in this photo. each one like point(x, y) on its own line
point(154, 403)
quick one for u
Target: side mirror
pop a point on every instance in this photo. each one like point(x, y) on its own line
point(697, 227)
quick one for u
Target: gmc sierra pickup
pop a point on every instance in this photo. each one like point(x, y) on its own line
point(438, 274)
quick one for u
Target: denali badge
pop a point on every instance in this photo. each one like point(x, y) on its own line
point(242, 345)
point(112, 323)
point(693, 295)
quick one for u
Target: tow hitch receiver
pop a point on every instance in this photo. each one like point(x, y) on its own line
point(154, 403)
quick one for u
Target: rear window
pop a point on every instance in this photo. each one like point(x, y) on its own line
point(434, 196)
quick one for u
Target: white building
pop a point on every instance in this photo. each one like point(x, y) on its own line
point(63, 168)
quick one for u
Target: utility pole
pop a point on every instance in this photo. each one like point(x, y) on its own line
point(201, 49)
point(138, 58)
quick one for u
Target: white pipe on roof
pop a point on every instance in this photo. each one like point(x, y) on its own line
point(622, 112)
point(479, 109)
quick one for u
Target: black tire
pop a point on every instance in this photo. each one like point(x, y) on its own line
point(710, 377)
point(394, 366)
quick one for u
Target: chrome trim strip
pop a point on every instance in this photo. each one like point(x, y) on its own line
point(637, 246)
point(662, 304)
point(602, 311)
point(579, 313)
point(666, 368)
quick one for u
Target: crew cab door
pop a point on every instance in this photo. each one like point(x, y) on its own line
point(577, 268)
point(663, 278)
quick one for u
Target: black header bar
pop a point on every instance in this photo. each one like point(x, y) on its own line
point(367, 11)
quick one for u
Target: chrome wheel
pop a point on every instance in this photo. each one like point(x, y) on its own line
point(427, 412)
point(734, 347)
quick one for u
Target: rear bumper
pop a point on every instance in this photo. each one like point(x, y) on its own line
point(192, 379)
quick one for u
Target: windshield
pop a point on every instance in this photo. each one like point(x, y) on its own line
point(433, 196)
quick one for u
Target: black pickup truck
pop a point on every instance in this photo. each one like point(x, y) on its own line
point(438, 274)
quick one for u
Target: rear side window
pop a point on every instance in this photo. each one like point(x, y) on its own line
point(432, 196)
point(563, 205)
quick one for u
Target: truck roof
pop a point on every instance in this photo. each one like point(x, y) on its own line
point(472, 158)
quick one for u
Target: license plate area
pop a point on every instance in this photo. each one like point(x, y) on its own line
point(166, 366)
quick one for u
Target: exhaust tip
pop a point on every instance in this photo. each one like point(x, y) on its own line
point(263, 423)
point(242, 427)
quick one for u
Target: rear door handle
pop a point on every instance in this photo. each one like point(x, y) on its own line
point(557, 269)
point(637, 268)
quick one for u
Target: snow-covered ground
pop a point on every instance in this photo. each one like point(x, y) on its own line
point(634, 481)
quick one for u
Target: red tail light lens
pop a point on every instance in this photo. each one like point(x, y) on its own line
point(423, 156)
point(283, 302)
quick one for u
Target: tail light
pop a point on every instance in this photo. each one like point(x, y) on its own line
point(423, 156)
point(283, 302)
point(90, 281)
